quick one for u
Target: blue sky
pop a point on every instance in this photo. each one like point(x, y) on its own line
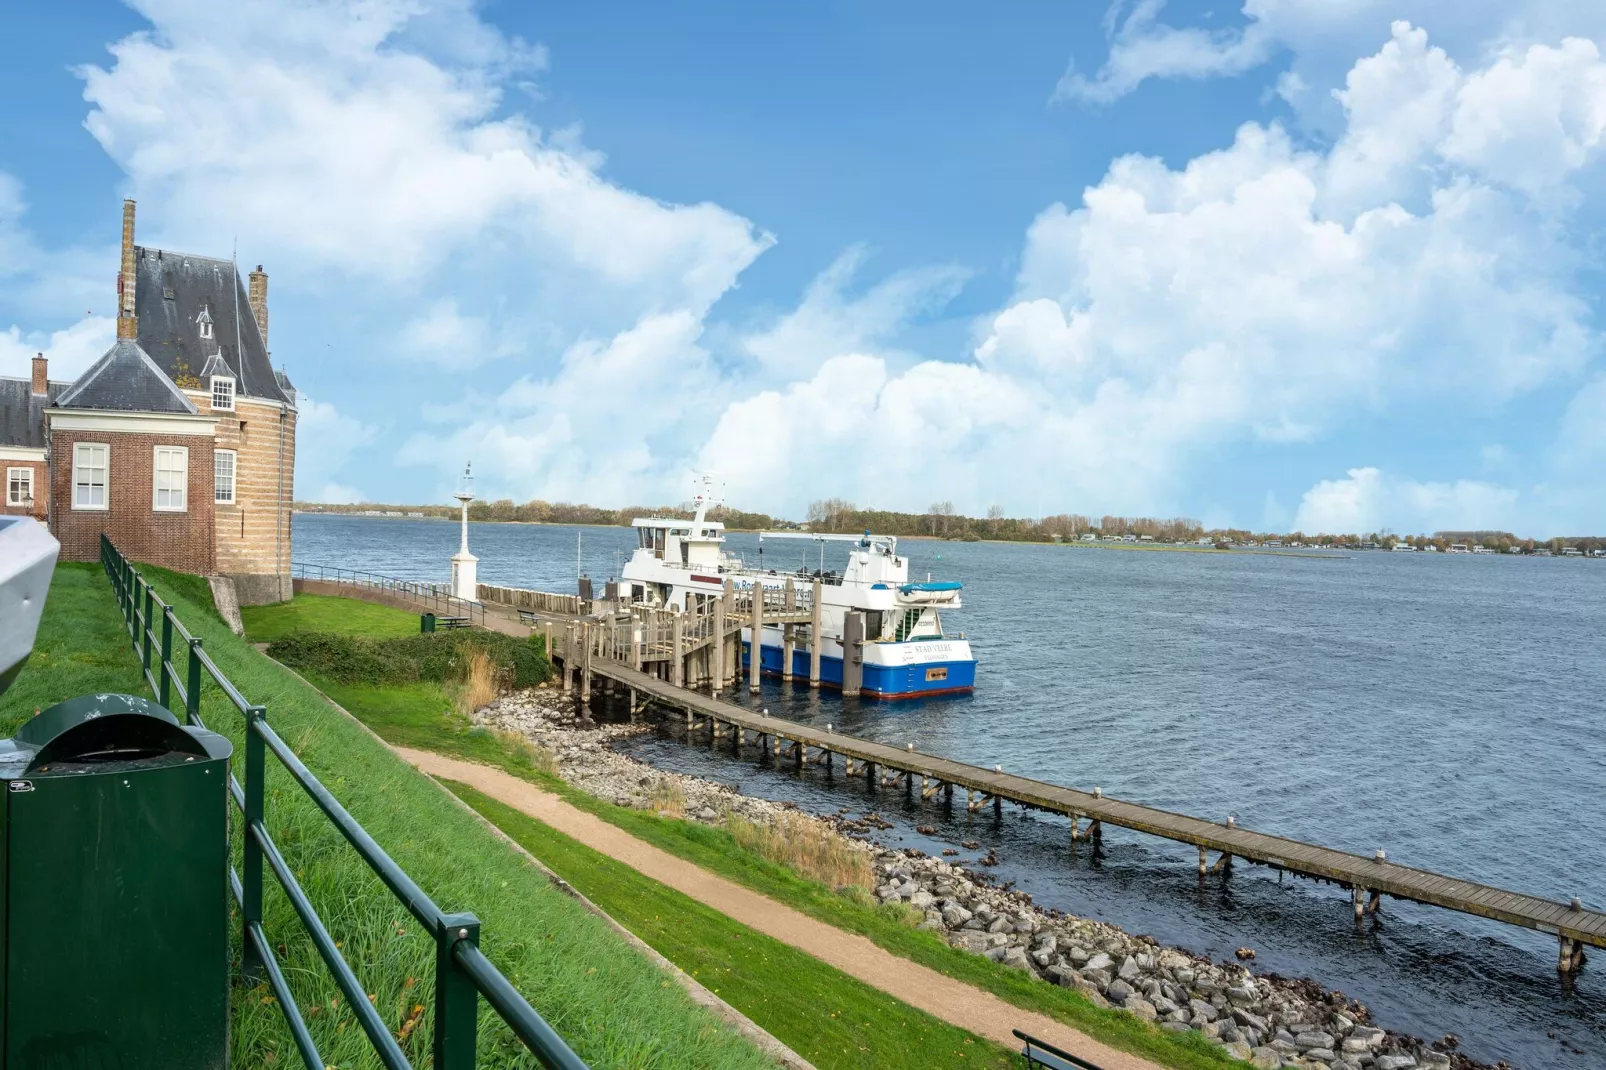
point(1327, 264)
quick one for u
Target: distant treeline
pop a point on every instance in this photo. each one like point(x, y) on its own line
point(942, 521)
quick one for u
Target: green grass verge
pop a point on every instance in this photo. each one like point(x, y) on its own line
point(828, 1017)
point(324, 613)
point(407, 722)
point(610, 1003)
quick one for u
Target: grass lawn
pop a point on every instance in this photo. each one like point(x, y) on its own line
point(402, 716)
point(323, 613)
point(829, 1018)
point(613, 1006)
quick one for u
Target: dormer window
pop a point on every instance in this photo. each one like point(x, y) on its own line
point(223, 393)
point(204, 322)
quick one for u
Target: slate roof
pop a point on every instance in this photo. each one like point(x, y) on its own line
point(170, 291)
point(126, 379)
point(22, 413)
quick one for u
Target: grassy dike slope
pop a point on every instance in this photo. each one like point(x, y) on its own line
point(612, 1005)
point(412, 723)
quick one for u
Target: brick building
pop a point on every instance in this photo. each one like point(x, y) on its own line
point(179, 442)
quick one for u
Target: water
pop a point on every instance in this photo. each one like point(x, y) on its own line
point(1447, 709)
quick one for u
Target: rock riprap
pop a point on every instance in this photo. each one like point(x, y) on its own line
point(1264, 1020)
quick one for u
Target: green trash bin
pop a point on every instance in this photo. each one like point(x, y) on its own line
point(113, 890)
point(426, 622)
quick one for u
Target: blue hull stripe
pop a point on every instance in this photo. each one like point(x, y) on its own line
point(904, 681)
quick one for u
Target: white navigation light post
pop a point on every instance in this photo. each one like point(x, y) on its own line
point(465, 566)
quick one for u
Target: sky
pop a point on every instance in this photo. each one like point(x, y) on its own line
point(1327, 265)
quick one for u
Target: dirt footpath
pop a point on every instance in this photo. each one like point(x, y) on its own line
point(980, 1012)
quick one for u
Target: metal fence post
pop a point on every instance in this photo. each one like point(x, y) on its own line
point(251, 877)
point(192, 685)
point(456, 998)
point(145, 627)
point(164, 693)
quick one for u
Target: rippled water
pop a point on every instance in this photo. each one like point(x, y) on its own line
point(1448, 709)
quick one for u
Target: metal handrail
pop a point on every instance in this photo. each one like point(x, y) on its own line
point(417, 590)
point(462, 972)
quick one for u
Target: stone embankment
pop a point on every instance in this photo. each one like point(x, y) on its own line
point(1262, 1019)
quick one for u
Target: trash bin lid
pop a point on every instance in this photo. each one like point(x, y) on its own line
point(107, 727)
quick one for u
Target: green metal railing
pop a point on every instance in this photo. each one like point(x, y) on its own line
point(462, 972)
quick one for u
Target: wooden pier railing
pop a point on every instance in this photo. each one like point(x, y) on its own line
point(534, 601)
point(623, 651)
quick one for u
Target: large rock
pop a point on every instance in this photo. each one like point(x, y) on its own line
point(921, 900)
point(1093, 995)
point(1101, 961)
point(1394, 1062)
point(1265, 1059)
point(1043, 956)
point(1238, 1050)
point(1118, 991)
point(1078, 956)
point(1202, 1009)
point(1248, 1018)
point(1320, 1055)
point(1000, 924)
point(1100, 978)
point(1371, 1034)
point(1016, 958)
point(1313, 1040)
point(1140, 1007)
point(954, 915)
point(1129, 969)
point(971, 940)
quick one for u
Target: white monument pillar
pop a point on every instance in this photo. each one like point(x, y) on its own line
point(465, 566)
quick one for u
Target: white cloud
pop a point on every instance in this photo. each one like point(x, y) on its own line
point(379, 141)
point(1142, 47)
point(1176, 311)
point(1367, 500)
point(613, 424)
point(326, 441)
point(1322, 39)
point(69, 350)
point(828, 322)
point(445, 338)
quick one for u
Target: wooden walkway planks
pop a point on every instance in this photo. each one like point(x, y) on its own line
point(1310, 860)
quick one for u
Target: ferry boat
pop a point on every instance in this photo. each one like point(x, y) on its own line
point(682, 564)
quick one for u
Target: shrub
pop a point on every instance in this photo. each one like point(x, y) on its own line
point(807, 847)
point(668, 798)
point(437, 656)
point(480, 683)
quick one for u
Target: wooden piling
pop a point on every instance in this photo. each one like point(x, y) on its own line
point(788, 636)
point(814, 637)
point(677, 668)
point(717, 646)
point(755, 649)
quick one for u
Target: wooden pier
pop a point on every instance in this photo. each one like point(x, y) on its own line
point(1368, 878)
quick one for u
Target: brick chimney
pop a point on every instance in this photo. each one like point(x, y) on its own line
point(127, 321)
point(259, 302)
point(41, 377)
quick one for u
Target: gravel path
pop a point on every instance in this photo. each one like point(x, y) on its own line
point(982, 1013)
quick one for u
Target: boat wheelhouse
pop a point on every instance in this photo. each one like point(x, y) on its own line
point(682, 564)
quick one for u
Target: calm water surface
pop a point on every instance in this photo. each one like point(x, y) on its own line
point(1447, 709)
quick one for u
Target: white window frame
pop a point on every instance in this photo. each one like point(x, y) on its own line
point(20, 475)
point(223, 387)
point(234, 477)
point(183, 488)
point(78, 479)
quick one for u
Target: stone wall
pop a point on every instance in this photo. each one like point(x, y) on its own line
point(253, 533)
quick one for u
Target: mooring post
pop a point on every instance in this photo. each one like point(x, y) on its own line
point(1358, 895)
point(1204, 862)
point(1095, 832)
point(1376, 904)
point(568, 662)
point(998, 806)
point(755, 649)
point(731, 661)
point(546, 635)
point(677, 670)
point(585, 667)
point(717, 647)
point(814, 637)
point(788, 636)
point(852, 652)
point(1565, 963)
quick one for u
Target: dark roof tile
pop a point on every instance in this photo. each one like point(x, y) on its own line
point(22, 412)
point(126, 379)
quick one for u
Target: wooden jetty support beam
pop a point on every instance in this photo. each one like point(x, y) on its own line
point(814, 636)
point(1573, 924)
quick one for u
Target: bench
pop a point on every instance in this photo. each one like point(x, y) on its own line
point(451, 622)
point(1039, 1053)
point(528, 617)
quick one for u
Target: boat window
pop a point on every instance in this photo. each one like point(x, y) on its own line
point(685, 552)
point(872, 624)
point(658, 541)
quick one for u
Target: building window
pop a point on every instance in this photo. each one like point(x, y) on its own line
point(89, 475)
point(171, 476)
point(204, 322)
point(223, 477)
point(222, 393)
point(19, 486)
